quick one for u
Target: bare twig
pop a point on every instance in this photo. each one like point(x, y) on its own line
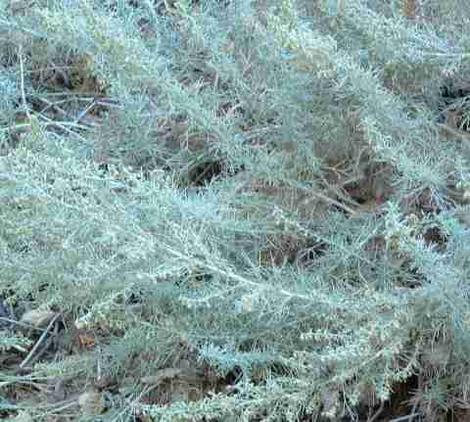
point(53, 106)
point(38, 355)
point(23, 92)
point(65, 127)
point(378, 413)
point(88, 107)
point(76, 122)
point(21, 324)
point(333, 201)
point(28, 358)
point(406, 418)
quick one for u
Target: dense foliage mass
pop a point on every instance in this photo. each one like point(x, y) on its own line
point(234, 210)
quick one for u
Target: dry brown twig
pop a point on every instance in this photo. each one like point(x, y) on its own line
point(38, 344)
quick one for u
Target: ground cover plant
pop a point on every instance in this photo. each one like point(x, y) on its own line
point(234, 210)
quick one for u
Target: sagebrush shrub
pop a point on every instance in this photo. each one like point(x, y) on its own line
point(269, 194)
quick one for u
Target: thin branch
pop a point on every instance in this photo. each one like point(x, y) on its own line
point(333, 201)
point(406, 418)
point(87, 109)
point(53, 106)
point(38, 355)
point(28, 358)
point(21, 324)
point(378, 413)
point(23, 92)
